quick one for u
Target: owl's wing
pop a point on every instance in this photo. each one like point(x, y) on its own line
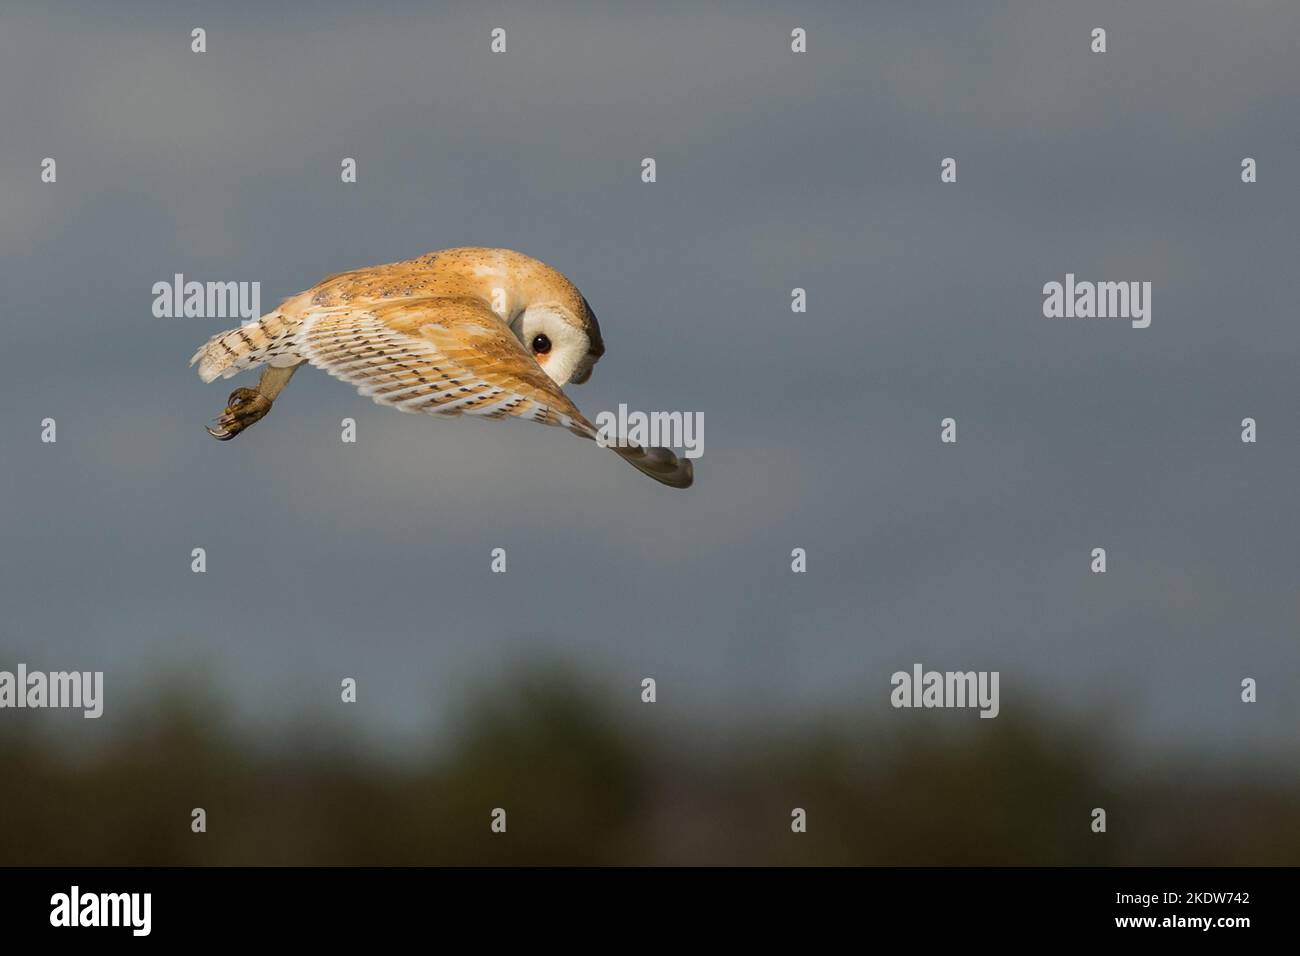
point(452, 356)
point(442, 356)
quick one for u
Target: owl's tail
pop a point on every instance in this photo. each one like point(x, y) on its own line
point(659, 463)
point(270, 340)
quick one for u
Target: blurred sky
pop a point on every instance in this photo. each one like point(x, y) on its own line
point(821, 430)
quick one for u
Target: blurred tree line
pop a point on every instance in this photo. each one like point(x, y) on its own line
point(582, 786)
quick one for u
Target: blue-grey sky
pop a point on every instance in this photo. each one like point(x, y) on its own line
point(775, 170)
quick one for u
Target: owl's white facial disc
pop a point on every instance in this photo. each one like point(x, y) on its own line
point(558, 345)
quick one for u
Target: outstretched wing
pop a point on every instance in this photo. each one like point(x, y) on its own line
point(452, 356)
point(435, 355)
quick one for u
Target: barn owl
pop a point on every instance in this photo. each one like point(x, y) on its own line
point(468, 331)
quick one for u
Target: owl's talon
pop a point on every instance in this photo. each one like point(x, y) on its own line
point(244, 407)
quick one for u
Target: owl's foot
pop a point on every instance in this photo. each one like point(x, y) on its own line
point(245, 407)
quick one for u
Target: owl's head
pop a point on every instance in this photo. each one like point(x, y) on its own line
point(562, 335)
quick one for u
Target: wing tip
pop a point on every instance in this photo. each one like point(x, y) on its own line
point(661, 464)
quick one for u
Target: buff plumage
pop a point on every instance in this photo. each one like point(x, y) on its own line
point(456, 332)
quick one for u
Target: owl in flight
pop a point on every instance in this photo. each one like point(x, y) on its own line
point(467, 331)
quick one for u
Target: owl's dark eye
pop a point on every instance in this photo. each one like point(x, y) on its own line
point(541, 344)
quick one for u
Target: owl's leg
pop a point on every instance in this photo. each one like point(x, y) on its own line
point(248, 406)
